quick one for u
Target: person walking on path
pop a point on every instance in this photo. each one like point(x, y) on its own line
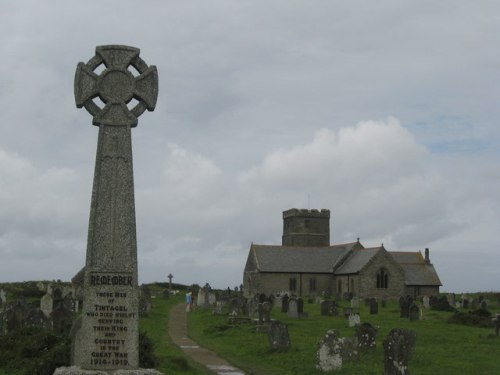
point(189, 301)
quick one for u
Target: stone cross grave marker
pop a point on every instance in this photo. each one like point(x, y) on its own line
point(170, 277)
point(108, 339)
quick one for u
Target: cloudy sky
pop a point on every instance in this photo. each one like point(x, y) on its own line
point(384, 112)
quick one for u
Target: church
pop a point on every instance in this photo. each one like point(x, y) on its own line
point(307, 265)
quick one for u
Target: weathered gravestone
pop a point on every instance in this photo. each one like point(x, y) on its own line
point(367, 336)
point(354, 320)
point(278, 336)
point(496, 323)
point(404, 305)
point(62, 319)
point(47, 304)
point(426, 302)
point(3, 297)
point(398, 349)
point(329, 308)
point(16, 315)
point(355, 303)
point(284, 303)
point(293, 308)
point(333, 351)
point(265, 311)
point(108, 338)
point(36, 318)
point(414, 312)
point(373, 306)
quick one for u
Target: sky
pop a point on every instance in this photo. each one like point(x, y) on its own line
point(384, 112)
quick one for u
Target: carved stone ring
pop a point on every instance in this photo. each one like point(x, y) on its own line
point(116, 86)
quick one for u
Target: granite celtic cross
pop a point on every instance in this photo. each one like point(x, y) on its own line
point(108, 337)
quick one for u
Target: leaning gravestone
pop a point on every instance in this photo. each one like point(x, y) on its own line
point(107, 341)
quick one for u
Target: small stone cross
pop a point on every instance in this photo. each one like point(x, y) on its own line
point(170, 277)
point(116, 86)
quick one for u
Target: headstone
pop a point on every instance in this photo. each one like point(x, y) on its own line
point(46, 304)
point(465, 303)
point(373, 306)
point(329, 356)
point(206, 296)
point(483, 305)
point(414, 312)
point(277, 303)
point(144, 306)
point(62, 319)
point(284, 303)
point(278, 336)
point(3, 296)
point(355, 303)
point(218, 308)
point(354, 320)
point(367, 335)
point(36, 318)
point(405, 307)
point(496, 323)
point(398, 349)
point(16, 315)
point(347, 311)
point(300, 305)
point(108, 338)
point(474, 304)
point(333, 351)
point(266, 311)
point(292, 308)
point(329, 308)
point(383, 303)
point(426, 302)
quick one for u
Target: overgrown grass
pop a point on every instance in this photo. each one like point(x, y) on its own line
point(172, 358)
point(442, 348)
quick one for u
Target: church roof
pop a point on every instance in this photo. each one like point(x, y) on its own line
point(312, 259)
point(357, 261)
point(417, 272)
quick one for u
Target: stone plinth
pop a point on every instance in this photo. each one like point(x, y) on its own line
point(78, 371)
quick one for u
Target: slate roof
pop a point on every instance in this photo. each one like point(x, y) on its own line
point(357, 261)
point(417, 272)
point(304, 259)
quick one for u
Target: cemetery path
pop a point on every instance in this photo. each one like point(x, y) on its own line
point(177, 329)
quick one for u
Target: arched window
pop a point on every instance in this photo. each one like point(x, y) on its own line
point(382, 279)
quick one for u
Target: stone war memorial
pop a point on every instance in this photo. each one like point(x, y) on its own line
point(106, 338)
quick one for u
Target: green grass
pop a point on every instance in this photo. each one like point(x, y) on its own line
point(442, 348)
point(172, 358)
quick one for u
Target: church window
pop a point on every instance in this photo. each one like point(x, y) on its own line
point(340, 287)
point(382, 279)
point(293, 284)
point(312, 285)
point(352, 286)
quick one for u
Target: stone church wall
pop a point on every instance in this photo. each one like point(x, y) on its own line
point(271, 283)
point(368, 278)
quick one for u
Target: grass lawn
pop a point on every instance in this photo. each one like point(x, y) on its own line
point(442, 348)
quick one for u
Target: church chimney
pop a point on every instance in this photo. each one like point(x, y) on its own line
point(427, 260)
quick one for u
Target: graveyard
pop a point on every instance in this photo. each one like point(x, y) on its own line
point(239, 331)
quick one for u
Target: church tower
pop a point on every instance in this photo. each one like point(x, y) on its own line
point(306, 227)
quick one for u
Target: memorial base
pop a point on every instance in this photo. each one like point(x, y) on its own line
point(74, 370)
